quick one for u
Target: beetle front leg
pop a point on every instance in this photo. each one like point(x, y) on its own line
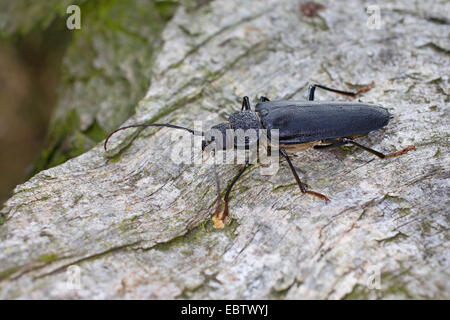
point(377, 153)
point(219, 218)
point(299, 182)
point(312, 89)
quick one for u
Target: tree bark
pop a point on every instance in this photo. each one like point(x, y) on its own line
point(137, 225)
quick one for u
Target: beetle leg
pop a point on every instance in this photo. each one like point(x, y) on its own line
point(263, 99)
point(377, 153)
point(246, 104)
point(299, 182)
point(312, 89)
point(220, 217)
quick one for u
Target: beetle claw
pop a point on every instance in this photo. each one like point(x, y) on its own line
point(399, 153)
point(318, 195)
point(218, 223)
point(365, 89)
point(220, 218)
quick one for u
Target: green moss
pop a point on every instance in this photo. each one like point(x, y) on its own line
point(196, 236)
point(358, 293)
point(127, 224)
point(404, 211)
point(426, 228)
point(397, 289)
point(437, 153)
point(395, 199)
point(317, 22)
point(188, 292)
point(435, 81)
point(44, 197)
point(95, 132)
point(77, 199)
point(283, 188)
point(8, 272)
point(193, 236)
point(193, 5)
point(346, 148)
point(166, 8)
point(2, 219)
point(117, 45)
point(203, 225)
point(187, 251)
point(395, 285)
point(49, 257)
point(116, 157)
point(56, 152)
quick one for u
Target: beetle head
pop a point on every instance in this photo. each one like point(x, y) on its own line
point(244, 131)
point(217, 135)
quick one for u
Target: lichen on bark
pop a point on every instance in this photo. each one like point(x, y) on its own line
point(106, 69)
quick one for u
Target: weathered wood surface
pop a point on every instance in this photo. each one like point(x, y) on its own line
point(138, 226)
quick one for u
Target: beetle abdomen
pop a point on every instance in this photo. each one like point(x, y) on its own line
point(304, 121)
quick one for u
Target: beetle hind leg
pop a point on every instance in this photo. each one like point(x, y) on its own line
point(299, 182)
point(312, 89)
point(377, 153)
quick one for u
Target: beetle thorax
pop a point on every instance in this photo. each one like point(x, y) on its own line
point(244, 120)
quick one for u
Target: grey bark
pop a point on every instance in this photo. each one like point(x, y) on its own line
point(138, 225)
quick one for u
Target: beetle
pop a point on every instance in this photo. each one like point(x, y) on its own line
point(301, 125)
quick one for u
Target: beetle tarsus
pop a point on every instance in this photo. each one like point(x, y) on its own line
point(318, 195)
point(377, 153)
point(399, 153)
point(220, 218)
point(364, 89)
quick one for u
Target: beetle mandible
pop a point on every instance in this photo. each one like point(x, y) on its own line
point(301, 125)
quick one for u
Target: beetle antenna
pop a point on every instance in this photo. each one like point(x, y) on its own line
point(152, 125)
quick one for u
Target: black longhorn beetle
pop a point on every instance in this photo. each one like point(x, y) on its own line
point(301, 125)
